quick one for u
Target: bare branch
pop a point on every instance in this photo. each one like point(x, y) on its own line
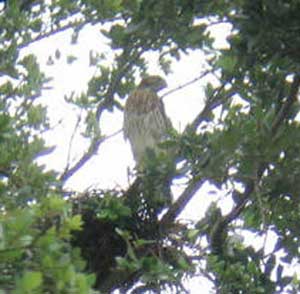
point(182, 202)
point(212, 102)
point(72, 139)
point(52, 32)
point(94, 146)
point(180, 87)
point(285, 109)
point(86, 157)
point(78, 24)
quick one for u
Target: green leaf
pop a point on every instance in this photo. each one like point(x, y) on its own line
point(227, 63)
point(29, 281)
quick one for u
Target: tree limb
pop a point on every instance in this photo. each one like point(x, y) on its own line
point(250, 186)
point(196, 79)
point(182, 202)
point(212, 102)
point(103, 104)
point(86, 157)
point(285, 109)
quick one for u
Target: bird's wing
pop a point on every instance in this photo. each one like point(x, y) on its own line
point(139, 103)
point(144, 106)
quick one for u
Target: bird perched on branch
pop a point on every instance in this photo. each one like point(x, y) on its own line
point(146, 126)
point(145, 122)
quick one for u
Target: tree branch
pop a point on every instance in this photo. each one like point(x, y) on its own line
point(78, 24)
point(181, 202)
point(212, 102)
point(285, 109)
point(196, 79)
point(123, 68)
point(76, 127)
point(86, 157)
point(250, 186)
point(52, 32)
point(94, 146)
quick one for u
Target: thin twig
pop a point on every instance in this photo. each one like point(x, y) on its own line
point(181, 202)
point(78, 24)
point(53, 32)
point(86, 157)
point(72, 140)
point(285, 109)
point(180, 87)
point(212, 102)
point(94, 146)
point(115, 82)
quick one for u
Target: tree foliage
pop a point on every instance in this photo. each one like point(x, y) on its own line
point(243, 142)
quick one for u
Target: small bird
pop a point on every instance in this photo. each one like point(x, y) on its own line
point(146, 124)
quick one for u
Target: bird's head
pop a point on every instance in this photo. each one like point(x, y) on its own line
point(154, 83)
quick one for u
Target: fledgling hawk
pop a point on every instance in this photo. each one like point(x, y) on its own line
point(145, 121)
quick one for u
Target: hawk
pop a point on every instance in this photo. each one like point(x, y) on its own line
point(145, 121)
